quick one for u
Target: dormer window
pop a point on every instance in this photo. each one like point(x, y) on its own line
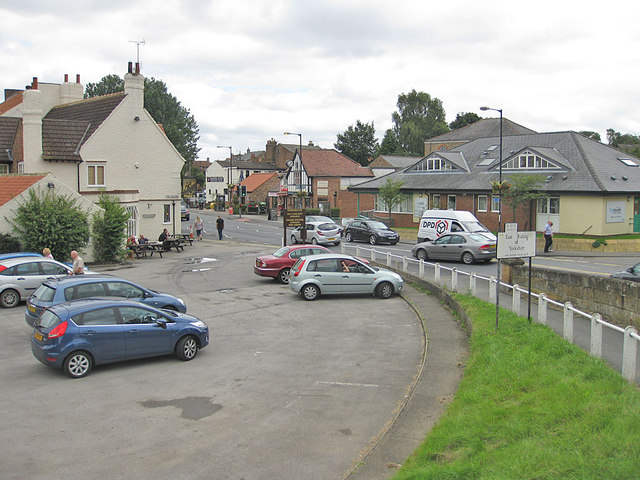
point(528, 160)
point(432, 164)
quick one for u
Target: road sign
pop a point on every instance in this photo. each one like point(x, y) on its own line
point(294, 218)
point(516, 244)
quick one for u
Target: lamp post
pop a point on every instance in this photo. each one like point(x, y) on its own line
point(300, 168)
point(499, 110)
point(230, 178)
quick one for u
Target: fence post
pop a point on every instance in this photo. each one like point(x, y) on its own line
point(596, 335)
point(454, 279)
point(567, 324)
point(342, 247)
point(357, 250)
point(473, 284)
point(404, 264)
point(388, 259)
point(436, 274)
point(515, 307)
point(373, 255)
point(629, 354)
point(542, 309)
point(421, 269)
point(492, 289)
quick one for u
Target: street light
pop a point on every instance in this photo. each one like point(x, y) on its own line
point(499, 110)
point(300, 168)
point(230, 177)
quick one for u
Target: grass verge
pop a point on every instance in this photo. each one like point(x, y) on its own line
point(531, 406)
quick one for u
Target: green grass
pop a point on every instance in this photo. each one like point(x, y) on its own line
point(531, 406)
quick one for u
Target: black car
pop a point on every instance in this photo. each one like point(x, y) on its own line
point(371, 231)
point(631, 273)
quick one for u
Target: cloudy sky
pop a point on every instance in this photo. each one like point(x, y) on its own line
point(249, 70)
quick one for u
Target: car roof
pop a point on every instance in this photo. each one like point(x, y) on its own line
point(323, 256)
point(4, 256)
point(79, 279)
point(76, 306)
point(10, 262)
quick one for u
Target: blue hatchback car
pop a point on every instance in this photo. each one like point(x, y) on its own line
point(75, 336)
point(74, 287)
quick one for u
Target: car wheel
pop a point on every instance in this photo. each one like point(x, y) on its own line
point(337, 243)
point(78, 364)
point(393, 243)
point(9, 298)
point(187, 348)
point(384, 290)
point(283, 275)
point(310, 292)
point(422, 254)
point(348, 237)
point(373, 240)
point(467, 258)
point(314, 240)
point(293, 240)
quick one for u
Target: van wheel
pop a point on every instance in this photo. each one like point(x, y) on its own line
point(422, 254)
point(467, 258)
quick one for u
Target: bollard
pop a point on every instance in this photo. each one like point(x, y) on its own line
point(596, 335)
point(358, 251)
point(567, 324)
point(373, 255)
point(515, 306)
point(542, 309)
point(405, 264)
point(342, 248)
point(473, 284)
point(388, 259)
point(492, 289)
point(454, 279)
point(629, 348)
point(436, 273)
point(421, 269)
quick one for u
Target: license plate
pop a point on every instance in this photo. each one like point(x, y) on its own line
point(332, 239)
point(31, 308)
point(38, 336)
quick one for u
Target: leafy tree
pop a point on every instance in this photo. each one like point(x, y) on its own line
point(616, 139)
point(464, 119)
point(418, 118)
point(390, 144)
point(9, 244)
point(592, 135)
point(358, 142)
point(177, 121)
point(109, 230)
point(50, 220)
point(524, 189)
point(391, 195)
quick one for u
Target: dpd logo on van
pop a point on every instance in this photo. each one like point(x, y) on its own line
point(442, 226)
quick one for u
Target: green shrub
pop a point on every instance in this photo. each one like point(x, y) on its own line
point(109, 230)
point(9, 244)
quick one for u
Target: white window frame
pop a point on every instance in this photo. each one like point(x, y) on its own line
point(495, 203)
point(4, 168)
point(405, 206)
point(485, 200)
point(166, 213)
point(92, 180)
point(451, 200)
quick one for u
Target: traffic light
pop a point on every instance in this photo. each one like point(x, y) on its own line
point(243, 190)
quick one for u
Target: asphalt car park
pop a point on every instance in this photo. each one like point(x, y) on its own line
point(283, 390)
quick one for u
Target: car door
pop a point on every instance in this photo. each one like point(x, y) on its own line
point(101, 334)
point(143, 336)
point(356, 277)
point(441, 249)
point(358, 230)
point(24, 277)
point(456, 246)
point(327, 273)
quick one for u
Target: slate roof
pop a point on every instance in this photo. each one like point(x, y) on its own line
point(331, 163)
point(584, 166)
point(66, 127)
point(8, 129)
point(13, 185)
point(246, 164)
point(486, 127)
point(395, 161)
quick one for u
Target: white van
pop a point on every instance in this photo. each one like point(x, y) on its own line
point(435, 223)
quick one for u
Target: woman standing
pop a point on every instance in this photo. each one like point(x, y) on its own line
point(198, 226)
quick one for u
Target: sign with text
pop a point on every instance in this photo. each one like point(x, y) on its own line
point(294, 218)
point(516, 244)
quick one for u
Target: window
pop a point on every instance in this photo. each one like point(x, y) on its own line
point(528, 160)
point(405, 205)
point(121, 289)
point(132, 222)
point(95, 175)
point(21, 167)
point(4, 169)
point(138, 315)
point(451, 202)
point(495, 203)
point(101, 316)
point(85, 291)
point(482, 203)
point(436, 201)
point(166, 215)
point(432, 164)
point(49, 268)
point(549, 205)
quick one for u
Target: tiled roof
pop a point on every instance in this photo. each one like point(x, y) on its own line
point(246, 164)
point(9, 103)
point(486, 127)
point(13, 185)
point(331, 163)
point(255, 180)
point(8, 128)
point(66, 127)
point(395, 161)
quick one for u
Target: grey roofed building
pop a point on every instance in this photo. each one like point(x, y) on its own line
point(384, 164)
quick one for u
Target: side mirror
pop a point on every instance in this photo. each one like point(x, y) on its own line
point(161, 322)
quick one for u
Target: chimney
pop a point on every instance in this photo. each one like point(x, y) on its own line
point(66, 78)
point(130, 69)
point(134, 86)
point(77, 78)
point(270, 154)
point(137, 68)
point(34, 83)
point(70, 92)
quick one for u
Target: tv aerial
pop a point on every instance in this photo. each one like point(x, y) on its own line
point(138, 43)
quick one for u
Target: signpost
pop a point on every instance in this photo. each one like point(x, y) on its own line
point(293, 218)
point(514, 244)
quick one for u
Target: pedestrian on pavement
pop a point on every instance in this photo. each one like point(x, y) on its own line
point(220, 226)
point(548, 237)
point(198, 226)
point(78, 264)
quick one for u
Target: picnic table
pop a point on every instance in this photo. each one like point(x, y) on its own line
point(174, 242)
point(184, 237)
point(142, 249)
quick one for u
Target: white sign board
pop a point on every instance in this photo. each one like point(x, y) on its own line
point(516, 245)
point(616, 212)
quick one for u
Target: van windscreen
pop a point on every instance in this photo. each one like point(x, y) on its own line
point(475, 227)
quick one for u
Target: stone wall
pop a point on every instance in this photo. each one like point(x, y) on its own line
point(618, 301)
point(586, 245)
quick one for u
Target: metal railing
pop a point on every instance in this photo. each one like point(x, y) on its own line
point(603, 337)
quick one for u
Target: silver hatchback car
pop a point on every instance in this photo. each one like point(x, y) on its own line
point(323, 233)
point(341, 274)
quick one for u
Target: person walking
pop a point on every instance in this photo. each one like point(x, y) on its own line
point(198, 226)
point(220, 226)
point(78, 264)
point(548, 237)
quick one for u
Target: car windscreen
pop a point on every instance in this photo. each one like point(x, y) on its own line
point(377, 226)
point(44, 292)
point(475, 227)
point(48, 319)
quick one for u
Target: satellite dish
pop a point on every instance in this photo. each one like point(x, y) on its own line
point(289, 163)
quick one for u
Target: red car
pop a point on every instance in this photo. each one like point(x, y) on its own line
point(277, 264)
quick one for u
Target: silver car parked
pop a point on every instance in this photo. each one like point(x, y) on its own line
point(322, 233)
point(461, 246)
point(341, 274)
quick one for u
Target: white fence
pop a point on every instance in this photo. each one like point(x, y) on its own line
point(622, 352)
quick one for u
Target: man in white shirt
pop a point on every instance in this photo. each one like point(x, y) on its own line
point(548, 237)
point(78, 263)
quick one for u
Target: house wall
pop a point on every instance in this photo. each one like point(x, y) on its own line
point(588, 214)
point(215, 188)
point(261, 193)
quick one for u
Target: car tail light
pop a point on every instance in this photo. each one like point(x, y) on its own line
point(485, 247)
point(59, 330)
point(2, 267)
point(298, 268)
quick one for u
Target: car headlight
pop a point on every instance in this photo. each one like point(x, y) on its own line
point(181, 301)
point(198, 323)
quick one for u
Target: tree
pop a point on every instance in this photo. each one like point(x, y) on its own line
point(176, 120)
point(418, 118)
point(524, 188)
point(358, 142)
point(50, 220)
point(626, 142)
point(464, 119)
point(109, 227)
point(390, 144)
point(592, 135)
point(391, 195)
